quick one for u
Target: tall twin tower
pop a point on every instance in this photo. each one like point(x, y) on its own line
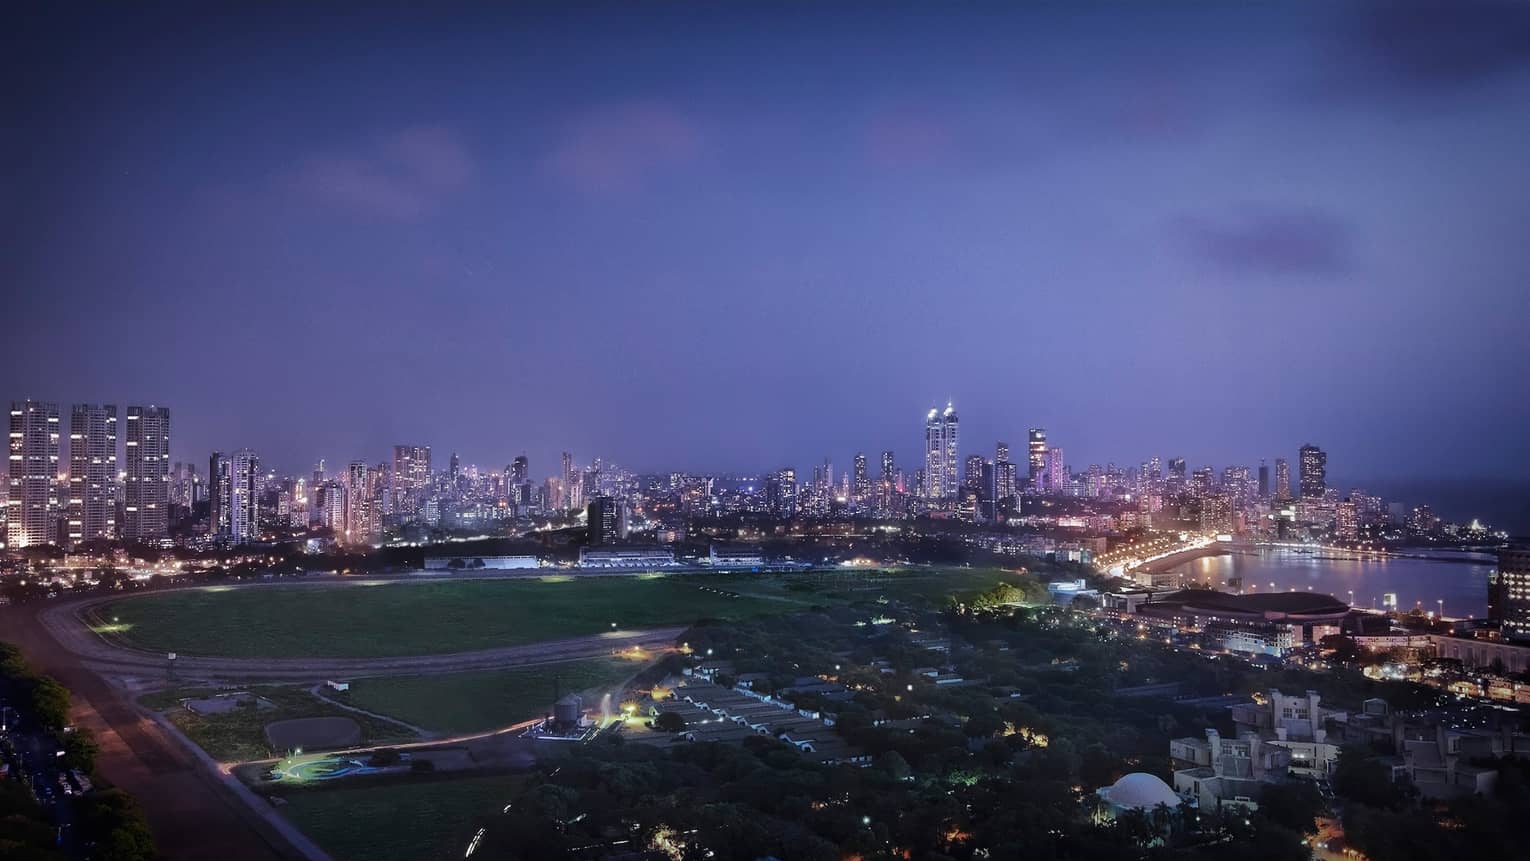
point(942, 447)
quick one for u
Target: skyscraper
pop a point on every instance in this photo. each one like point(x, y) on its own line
point(1003, 472)
point(606, 520)
point(1314, 471)
point(243, 496)
point(411, 478)
point(1282, 479)
point(569, 482)
point(941, 447)
point(1264, 480)
point(888, 467)
point(32, 508)
point(358, 491)
point(861, 481)
point(146, 497)
point(218, 494)
point(1036, 475)
point(972, 475)
point(1509, 591)
point(781, 493)
point(1057, 470)
point(92, 472)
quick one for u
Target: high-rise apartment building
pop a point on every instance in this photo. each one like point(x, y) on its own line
point(781, 493)
point(860, 485)
point(1282, 479)
point(570, 482)
point(32, 508)
point(1314, 472)
point(217, 494)
point(1509, 591)
point(942, 444)
point(360, 492)
point(972, 475)
point(146, 495)
point(1003, 472)
point(411, 478)
point(1036, 475)
point(1057, 470)
point(92, 472)
point(606, 520)
point(243, 496)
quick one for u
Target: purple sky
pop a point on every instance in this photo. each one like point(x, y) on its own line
point(720, 239)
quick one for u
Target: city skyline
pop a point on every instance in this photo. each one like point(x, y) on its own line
point(1139, 256)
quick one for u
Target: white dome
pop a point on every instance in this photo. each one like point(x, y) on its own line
point(1141, 791)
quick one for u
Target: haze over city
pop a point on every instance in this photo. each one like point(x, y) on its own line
point(725, 239)
point(650, 431)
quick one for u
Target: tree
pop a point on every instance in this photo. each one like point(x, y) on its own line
point(669, 722)
point(50, 703)
point(1292, 805)
point(80, 750)
point(894, 765)
point(1359, 776)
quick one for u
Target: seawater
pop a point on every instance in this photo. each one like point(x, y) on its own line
point(1461, 584)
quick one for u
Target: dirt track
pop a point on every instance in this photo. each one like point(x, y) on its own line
point(64, 625)
point(193, 814)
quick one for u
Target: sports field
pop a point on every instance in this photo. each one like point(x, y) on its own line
point(343, 620)
point(398, 822)
point(458, 703)
point(397, 619)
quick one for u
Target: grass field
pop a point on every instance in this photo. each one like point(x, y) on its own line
point(459, 703)
point(398, 822)
point(239, 735)
point(397, 619)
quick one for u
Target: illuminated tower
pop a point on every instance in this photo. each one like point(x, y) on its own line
point(1003, 472)
point(32, 507)
point(861, 484)
point(411, 478)
point(1036, 477)
point(941, 446)
point(146, 496)
point(243, 496)
point(92, 472)
point(1282, 479)
point(1314, 471)
point(1057, 470)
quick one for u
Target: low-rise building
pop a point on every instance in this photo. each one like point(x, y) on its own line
point(639, 556)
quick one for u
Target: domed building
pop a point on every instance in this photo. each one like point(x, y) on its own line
point(1136, 791)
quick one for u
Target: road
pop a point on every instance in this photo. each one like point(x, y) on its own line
point(195, 811)
point(192, 814)
point(31, 752)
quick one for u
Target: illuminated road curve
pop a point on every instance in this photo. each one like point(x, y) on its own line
point(64, 623)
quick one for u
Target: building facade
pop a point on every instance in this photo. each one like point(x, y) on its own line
point(32, 508)
point(92, 473)
point(942, 445)
point(146, 494)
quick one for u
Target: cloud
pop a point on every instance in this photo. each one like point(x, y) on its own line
point(621, 147)
point(1275, 242)
point(1434, 45)
point(904, 136)
point(405, 176)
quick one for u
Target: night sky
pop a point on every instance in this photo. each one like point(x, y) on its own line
point(720, 239)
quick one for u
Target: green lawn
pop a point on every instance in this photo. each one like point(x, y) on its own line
point(479, 701)
point(239, 735)
point(399, 822)
point(397, 619)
